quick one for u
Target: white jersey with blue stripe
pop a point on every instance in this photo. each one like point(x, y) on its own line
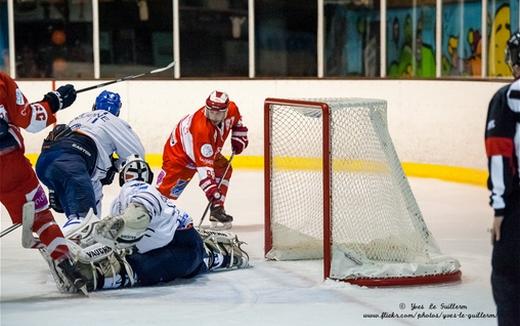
point(166, 218)
point(111, 134)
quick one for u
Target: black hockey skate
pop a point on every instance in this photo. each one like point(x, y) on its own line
point(219, 219)
point(70, 271)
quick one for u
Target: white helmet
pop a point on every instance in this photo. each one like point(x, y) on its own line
point(217, 106)
point(135, 168)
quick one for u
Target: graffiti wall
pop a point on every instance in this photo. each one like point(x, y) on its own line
point(411, 42)
point(352, 38)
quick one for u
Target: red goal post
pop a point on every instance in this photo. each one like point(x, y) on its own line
point(299, 157)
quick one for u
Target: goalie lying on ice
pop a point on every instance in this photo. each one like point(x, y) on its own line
point(146, 239)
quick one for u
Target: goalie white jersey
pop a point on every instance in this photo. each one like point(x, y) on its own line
point(166, 218)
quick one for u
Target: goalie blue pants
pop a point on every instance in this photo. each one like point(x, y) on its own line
point(183, 257)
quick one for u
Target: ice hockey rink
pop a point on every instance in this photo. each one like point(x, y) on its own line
point(270, 293)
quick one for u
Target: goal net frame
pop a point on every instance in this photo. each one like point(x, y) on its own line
point(326, 161)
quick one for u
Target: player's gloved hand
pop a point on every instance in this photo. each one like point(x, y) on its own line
point(123, 231)
point(111, 172)
point(209, 186)
point(54, 202)
point(61, 98)
point(4, 128)
point(7, 141)
point(109, 178)
point(239, 139)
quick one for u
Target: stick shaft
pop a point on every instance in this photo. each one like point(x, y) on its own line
point(218, 187)
point(170, 65)
point(10, 229)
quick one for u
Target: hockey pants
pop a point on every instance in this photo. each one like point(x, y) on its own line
point(183, 257)
point(505, 277)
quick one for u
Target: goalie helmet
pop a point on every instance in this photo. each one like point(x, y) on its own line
point(135, 168)
point(108, 101)
point(513, 50)
point(216, 106)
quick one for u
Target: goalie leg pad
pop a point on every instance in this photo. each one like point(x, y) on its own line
point(114, 272)
point(224, 250)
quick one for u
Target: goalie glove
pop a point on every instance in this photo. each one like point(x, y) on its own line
point(239, 140)
point(125, 230)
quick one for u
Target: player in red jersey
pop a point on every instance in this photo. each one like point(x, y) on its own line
point(195, 146)
point(18, 181)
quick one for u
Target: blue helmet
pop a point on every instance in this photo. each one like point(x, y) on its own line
point(108, 101)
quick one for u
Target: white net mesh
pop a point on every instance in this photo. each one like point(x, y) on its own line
point(377, 227)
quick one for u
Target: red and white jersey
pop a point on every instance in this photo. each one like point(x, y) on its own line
point(195, 142)
point(19, 113)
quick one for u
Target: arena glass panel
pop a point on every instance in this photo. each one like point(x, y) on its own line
point(53, 39)
point(4, 38)
point(214, 38)
point(352, 38)
point(135, 36)
point(502, 22)
point(410, 37)
point(461, 39)
point(285, 38)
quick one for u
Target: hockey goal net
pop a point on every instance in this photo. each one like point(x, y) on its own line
point(335, 189)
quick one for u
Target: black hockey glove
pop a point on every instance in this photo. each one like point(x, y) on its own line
point(109, 178)
point(59, 131)
point(7, 141)
point(4, 128)
point(54, 202)
point(111, 173)
point(61, 98)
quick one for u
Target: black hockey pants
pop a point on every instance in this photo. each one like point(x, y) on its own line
point(505, 277)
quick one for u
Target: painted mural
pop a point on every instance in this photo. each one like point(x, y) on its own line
point(499, 32)
point(462, 39)
point(411, 42)
point(352, 45)
point(352, 40)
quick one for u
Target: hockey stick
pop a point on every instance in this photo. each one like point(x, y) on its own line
point(170, 65)
point(218, 187)
point(10, 229)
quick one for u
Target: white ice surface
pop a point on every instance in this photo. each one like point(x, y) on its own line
point(270, 293)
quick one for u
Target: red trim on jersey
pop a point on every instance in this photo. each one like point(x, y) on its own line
point(499, 146)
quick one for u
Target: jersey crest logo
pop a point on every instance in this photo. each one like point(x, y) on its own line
point(206, 150)
point(19, 97)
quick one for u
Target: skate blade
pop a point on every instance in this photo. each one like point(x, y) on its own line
point(83, 290)
point(217, 226)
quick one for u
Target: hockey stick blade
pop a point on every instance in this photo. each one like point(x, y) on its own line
point(169, 66)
